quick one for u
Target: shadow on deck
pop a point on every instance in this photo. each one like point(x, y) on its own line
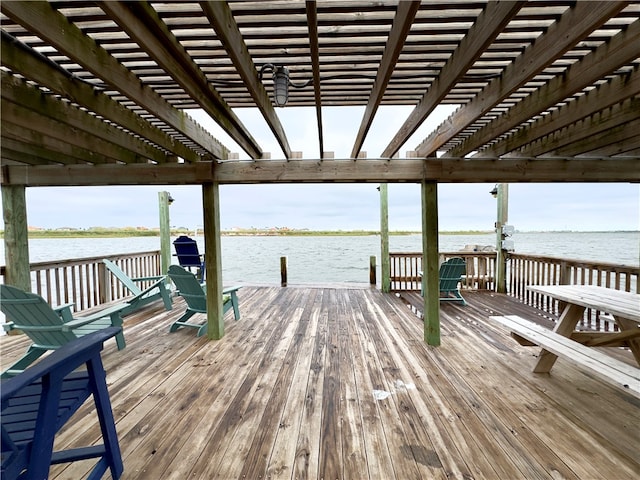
point(337, 383)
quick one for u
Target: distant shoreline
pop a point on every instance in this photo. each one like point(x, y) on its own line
point(226, 233)
point(125, 233)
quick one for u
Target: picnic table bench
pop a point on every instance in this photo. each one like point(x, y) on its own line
point(564, 341)
point(612, 370)
point(38, 402)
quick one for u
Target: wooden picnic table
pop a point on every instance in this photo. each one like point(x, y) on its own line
point(623, 306)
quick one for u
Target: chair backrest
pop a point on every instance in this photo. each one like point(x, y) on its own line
point(187, 252)
point(451, 272)
point(53, 388)
point(189, 287)
point(28, 310)
point(123, 277)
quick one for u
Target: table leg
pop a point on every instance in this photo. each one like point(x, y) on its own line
point(570, 317)
point(634, 343)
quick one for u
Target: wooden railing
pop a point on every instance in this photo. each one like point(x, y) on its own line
point(86, 282)
point(405, 270)
point(525, 270)
point(522, 271)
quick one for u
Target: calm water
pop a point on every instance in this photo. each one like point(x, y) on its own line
point(256, 260)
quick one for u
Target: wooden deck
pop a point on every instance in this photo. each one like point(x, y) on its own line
point(336, 383)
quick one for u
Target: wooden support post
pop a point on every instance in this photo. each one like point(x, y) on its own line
point(502, 219)
point(565, 279)
point(283, 271)
point(165, 231)
point(385, 268)
point(430, 264)
point(565, 273)
point(16, 237)
point(213, 259)
point(104, 283)
point(372, 270)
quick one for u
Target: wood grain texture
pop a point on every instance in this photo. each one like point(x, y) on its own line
point(289, 393)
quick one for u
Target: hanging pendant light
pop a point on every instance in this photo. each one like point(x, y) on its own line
point(281, 85)
point(281, 82)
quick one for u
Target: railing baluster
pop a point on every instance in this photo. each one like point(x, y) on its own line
point(80, 280)
point(525, 270)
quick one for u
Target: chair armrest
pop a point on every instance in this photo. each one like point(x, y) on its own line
point(66, 359)
point(40, 328)
point(232, 289)
point(226, 290)
point(146, 279)
point(64, 311)
point(107, 312)
point(160, 282)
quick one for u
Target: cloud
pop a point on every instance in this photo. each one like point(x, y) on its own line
point(342, 206)
point(557, 206)
point(575, 206)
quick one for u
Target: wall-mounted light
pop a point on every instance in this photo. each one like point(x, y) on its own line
point(169, 199)
point(494, 191)
point(281, 82)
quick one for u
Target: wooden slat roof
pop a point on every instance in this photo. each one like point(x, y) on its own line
point(550, 87)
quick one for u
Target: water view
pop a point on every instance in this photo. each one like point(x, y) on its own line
point(328, 259)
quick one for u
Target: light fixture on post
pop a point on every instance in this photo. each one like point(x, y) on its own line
point(281, 82)
point(165, 200)
point(501, 193)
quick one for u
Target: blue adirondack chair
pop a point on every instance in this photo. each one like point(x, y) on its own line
point(194, 295)
point(141, 297)
point(450, 274)
point(188, 255)
point(37, 403)
point(50, 329)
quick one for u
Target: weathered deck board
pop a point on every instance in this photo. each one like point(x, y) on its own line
point(289, 393)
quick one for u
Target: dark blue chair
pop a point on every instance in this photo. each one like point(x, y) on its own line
point(189, 256)
point(39, 401)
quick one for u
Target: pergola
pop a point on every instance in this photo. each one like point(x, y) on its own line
point(97, 93)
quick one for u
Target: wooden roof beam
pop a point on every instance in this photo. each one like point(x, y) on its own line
point(28, 106)
point(195, 173)
point(629, 147)
point(15, 152)
point(47, 147)
point(34, 66)
point(461, 170)
point(400, 28)
point(221, 17)
point(614, 125)
point(314, 47)
point(603, 96)
point(578, 22)
point(488, 26)
point(417, 170)
point(41, 19)
point(38, 126)
point(142, 24)
point(607, 58)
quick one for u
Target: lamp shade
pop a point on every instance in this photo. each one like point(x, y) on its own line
point(281, 85)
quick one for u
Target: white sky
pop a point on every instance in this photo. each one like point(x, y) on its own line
point(556, 206)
